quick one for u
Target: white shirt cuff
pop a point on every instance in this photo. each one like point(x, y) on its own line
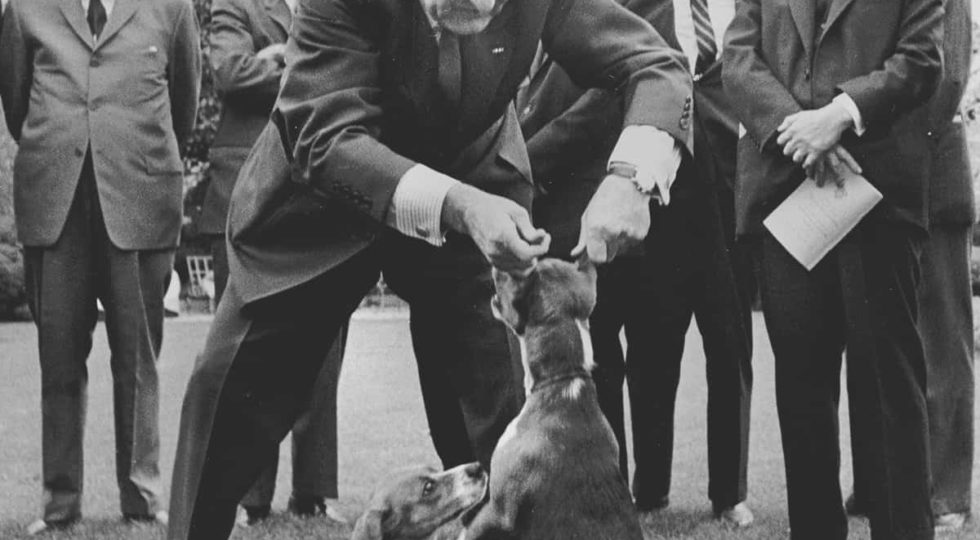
point(847, 102)
point(416, 207)
point(655, 155)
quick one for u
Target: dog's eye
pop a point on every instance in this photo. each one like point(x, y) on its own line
point(428, 487)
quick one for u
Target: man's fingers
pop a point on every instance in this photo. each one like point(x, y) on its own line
point(848, 159)
point(526, 230)
point(597, 251)
point(579, 249)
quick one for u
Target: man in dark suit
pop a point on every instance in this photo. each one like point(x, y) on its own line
point(822, 89)
point(682, 268)
point(945, 296)
point(395, 133)
point(99, 94)
point(248, 44)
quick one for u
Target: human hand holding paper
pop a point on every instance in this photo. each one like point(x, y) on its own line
point(815, 218)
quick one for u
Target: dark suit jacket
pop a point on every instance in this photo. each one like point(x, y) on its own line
point(131, 98)
point(951, 199)
point(571, 132)
point(885, 54)
point(359, 107)
point(248, 87)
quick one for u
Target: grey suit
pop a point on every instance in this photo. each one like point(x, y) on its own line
point(97, 192)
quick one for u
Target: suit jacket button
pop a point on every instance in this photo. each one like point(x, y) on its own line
point(94, 62)
point(684, 123)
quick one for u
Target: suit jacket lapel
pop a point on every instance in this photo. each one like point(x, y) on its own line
point(122, 12)
point(837, 8)
point(805, 19)
point(72, 10)
point(280, 13)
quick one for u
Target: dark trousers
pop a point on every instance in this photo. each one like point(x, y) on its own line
point(314, 448)
point(946, 326)
point(315, 432)
point(64, 280)
point(862, 296)
point(685, 270)
point(260, 361)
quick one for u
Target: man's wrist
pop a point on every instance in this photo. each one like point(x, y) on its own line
point(455, 206)
point(629, 172)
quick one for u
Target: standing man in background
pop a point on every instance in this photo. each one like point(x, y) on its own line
point(682, 268)
point(248, 46)
point(99, 95)
point(825, 90)
point(945, 295)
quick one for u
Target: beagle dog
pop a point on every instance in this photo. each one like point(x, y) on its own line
point(555, 471)
point(422, 504)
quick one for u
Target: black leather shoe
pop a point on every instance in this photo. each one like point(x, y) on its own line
point(313, 506)
point(257, 514)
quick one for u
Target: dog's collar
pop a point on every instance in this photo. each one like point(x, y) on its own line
point(578, 373)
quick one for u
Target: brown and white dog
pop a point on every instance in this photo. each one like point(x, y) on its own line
point(422, 504)
point(555, 472)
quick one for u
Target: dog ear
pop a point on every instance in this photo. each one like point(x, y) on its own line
point(368, 527)
point(510, 304)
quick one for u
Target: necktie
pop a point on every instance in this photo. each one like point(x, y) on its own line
point(450, 70)
point(96, 17)
point(705, 33)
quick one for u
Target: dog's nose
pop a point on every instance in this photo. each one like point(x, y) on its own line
point(474, 470)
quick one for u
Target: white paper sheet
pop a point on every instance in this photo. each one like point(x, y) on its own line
point(812, 220)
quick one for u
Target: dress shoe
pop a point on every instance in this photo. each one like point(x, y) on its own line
point(159, 518)
point(313, 506)
point(950, 522)
point(854, 507)
point(41, 526)
point(253, 515)
point(737, 516)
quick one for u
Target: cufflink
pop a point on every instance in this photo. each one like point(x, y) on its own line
point(422, 231)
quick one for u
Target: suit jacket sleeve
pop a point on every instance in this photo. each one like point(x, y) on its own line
point(330, 125)
point(759, 99)
point(602, 45)
point(576, 131)
point(911, 74)
point(16, 64)
point(184, 72)
point(233, 53)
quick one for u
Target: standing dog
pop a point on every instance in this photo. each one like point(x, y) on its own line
point(555, 471)
point(422, 504)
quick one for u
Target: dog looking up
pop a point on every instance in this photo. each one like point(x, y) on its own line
point(422, 504)
point(555, 471)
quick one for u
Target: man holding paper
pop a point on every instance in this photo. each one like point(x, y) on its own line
point(822, 87)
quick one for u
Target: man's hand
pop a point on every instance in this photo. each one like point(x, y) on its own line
point(835, 166)
point(275, 52)
point(618, 215)
point(807, 135)
point(501, 228)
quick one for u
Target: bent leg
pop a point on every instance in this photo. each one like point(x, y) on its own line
point(250, 384)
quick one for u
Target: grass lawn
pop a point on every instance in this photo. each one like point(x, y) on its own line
point(382, 427)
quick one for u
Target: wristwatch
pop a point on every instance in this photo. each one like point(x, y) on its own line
point(629, 172)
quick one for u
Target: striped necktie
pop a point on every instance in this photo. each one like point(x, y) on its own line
point(705, 33)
